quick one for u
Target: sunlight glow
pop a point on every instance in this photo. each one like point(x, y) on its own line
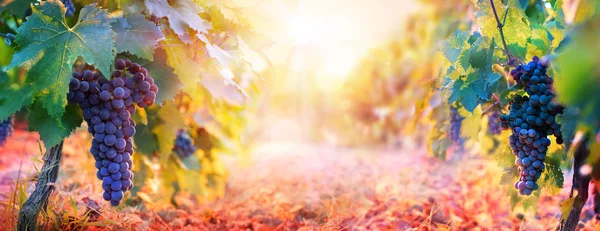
point(301, 29)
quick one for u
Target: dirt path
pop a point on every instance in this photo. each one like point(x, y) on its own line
point(319, 187)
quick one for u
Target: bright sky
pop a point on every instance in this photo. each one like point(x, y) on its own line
point(332, 34)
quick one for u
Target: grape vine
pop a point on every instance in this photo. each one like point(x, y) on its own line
point(107, 108)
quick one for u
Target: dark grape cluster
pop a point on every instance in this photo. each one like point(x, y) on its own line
point(107, 108)
point(183, 145)
point(532, 119)
point(70, 7)
point(455, 124)
point(494, 123)
point(6, 129)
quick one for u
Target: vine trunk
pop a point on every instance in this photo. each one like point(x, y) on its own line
point(568, 222)
point(43, 188)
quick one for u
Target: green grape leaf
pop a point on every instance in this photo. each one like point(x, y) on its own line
point(49, 48)
point(191, 181)
point(568, 122)
point(464, 59)
point(217, 20)
point(516, 29)
point(167, 81)
point(456, 88)
point(508, 178)
point(191, 162)
point(182, 15)
point(539, 42)
point(514, 197)
point(567, 205)
point(530, 202)
point(557, 31)
point(517, 50)
point(16, 7)
point(552, 178)
point(469, 98)
point(9, 104)
point(136, 35)
point(184, 66)
point(145, 139)
point(141, 171)
point(53, 131)
point(478, 54)
point(453, 46)
point(471, 124)
point(491, 83)
point(507, 95)
point(166, 131)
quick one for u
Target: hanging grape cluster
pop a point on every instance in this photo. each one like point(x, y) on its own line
point(6, 129)
point(455, 124)
point(107, 108)
point(494, 123)
point(532, 119)
point(183, 145)
point(70, 7)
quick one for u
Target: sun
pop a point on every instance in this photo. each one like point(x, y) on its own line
point(302, 29)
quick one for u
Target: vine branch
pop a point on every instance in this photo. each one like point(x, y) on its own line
point(8, 36)
point(500, 25)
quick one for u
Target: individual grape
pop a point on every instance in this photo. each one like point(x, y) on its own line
point(107, 106)
point(129, 131)
point(74, 84)
point(119, 92)
point(183, 145)
point(139, 77)
point(6, 129)
point(134, 68)
point(537, 114)
point(105, 95)
point(145, 86)
point(120, 64)
point(117, 103)
point(84, 86)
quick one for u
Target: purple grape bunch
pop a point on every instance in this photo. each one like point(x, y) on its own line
point(494, 123)
point(532, 118)
point(108, 106)
point(70, 7)
point(184, 146)
point(455, 124)
point(6, 129)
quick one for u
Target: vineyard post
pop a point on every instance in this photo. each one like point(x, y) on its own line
point(44, 186)
point(580, 185)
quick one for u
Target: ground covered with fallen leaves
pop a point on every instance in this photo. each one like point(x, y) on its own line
point(292, 187)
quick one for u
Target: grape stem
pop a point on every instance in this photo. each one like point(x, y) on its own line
point(500, 25)
point(8, 36)
point(496, 103)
